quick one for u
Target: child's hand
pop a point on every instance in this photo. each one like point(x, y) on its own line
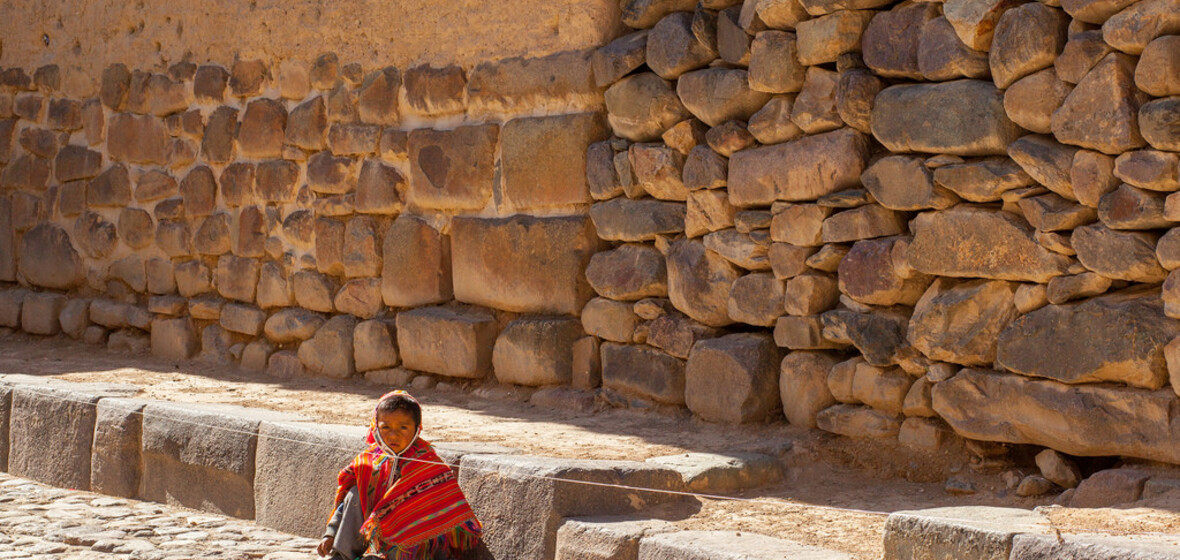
point(325, 547)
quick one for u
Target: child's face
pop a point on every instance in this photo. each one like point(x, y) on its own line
point(397, 429)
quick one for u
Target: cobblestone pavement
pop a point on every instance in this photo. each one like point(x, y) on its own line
point(45, 523)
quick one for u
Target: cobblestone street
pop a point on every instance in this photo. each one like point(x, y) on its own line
point(45, 523)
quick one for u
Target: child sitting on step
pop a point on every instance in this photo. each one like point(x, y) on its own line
point(398, 500)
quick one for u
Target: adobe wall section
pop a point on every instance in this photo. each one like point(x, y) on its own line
point(84, 37)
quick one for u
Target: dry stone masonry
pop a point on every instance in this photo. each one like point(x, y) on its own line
point(887, 220)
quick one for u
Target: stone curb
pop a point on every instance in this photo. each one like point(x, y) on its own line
point(991, 533)
point(280, 469)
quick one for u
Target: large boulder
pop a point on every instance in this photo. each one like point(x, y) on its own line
point(536, 352)
point(804, 169)
point(643, 372)
point(329, 351)
point(1086, 420)
point(960, 322)
point(963, 117)
point(642, 106)
point(699, 282)
point(543, 160)
point(1119, 338)
point(716, 95)
point(416, 264)
point(733, 378)
point(628, 273)
point(454, 169)
point(1101, 112)
point(970, 242)
point(803, 386)
point(523, 264)
point(456, 342)
point(57, 264)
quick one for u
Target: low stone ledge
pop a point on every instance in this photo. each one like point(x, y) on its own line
point(960, 533)
point(521, 502)
point(116, 460)
point(210, 469)
point(606, 538)
point(1092, 547)
point(729, 545)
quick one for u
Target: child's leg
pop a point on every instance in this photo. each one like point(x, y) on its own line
point(348, 536)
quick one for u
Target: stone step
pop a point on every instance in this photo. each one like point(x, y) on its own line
point(987, 533)
point(632, 538)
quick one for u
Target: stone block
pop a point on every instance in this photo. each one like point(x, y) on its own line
point(1157, 122)
point(115, 462)
point(75, 317)
point(95, 235)
point(964, 117)
point(605, 538)
point(1131, 29)
point(733, 379)
point(242, 319)
point(708, 211)
point(137, 139)
point(824, 39)
point(360, 297)
point(642, 106)
point(726, 545)
point(856, 421)
point(455, 342)
point(658, 170)
point(1000, 246)
point(519, 85)
point(55, 416)
point(815, 108)
point(237, 278)
point(329, 352)
point(256, 355)
point(943, 56)
point(716, 95)
point(958, 532)
point(523, 264)
point(353, 139)
point(865, 222)
point(609, 320)
point(211, 469)
point(1118, 255)
point(536, 352)
point(285, 364)
point(307, 124)
point(1149, 169)
point(961, 322)
point(377, 98)
point(40, 313)
point(374, 345)
point(380, 189)
point(502, 488)
point(884, 389)
point(174, 339)
point(261, 132)
point(293, 496)
point(803, 169)
point(904, 183)
point(803, 386)
point(673, 48)
point(543, 160)
point(624, 219)
point(436, 92)
point(11, 304)
point(1031, 547)
point(292, 325)
point(217, 144)
point(619, 57)
point(1158, 70)
point(643, 372)
point(452, 170)
point(869, 275)
point(1100, 113)
point(774, 63)
point(756, 299)
point(313, 290)
point(628, 273)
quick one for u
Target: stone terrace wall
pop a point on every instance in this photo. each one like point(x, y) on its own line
point(904, 221)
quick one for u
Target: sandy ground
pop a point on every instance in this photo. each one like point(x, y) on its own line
point(827, 476)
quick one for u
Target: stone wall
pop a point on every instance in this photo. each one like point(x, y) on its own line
point(899, 221)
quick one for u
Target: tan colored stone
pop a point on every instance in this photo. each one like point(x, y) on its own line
point(1091, 176)
point(810, 293)
point(865, 222)
point(858, 422)
point(867, 275)
point(814, 110)
point(733, 43)
point(1027, 38)
point(536, 352)
point(891, 40)
point(729, 137)
point(237, 278)
point(1079, 286)
point(673, 48)
point(1158, 70)
point(699, 282)
point(137, 139)
point(618, 58)
point(774, 64)
point(980, 243)
point(624, 219)
point(628, 273)
point(1050, 212)
point(452, 169)
point(884, 389)
point(803, 386)
point(756, 299)
point(609, 320)
point(780, 14)
point(1132, 353)
point(704, 169)
point(193, 278)
point(329, 351)
point(943, 56)
point(642, 106)
point(904, 183)
point(213, 235)
point(1031, 100)
point(676, 334)
point(261, 131)
point(217, 144)
point(292, 325)
point(1081, 53)
point(745, 250)
point(856, 90)
point(975, 21)
point(772, 123)
point(824, 39)
point(455, 342)
point(1118, 255)
point(1094, 11)
point(543, 160)
point(1132, 29)
point(523, 264)
point(803, 169)
point(708, 211)
point(360, 297)
point(716, 95)
point(1159, 120)
point(733, 379)
point(658, 170)
point(1046, 161)
point(1149, 169)
point(521, 84)
point(802, 333)
point(1130, 208)
point(964, 117)
point(416, 267)
point(961, 321)
point(1100, 113)
point(918, 401)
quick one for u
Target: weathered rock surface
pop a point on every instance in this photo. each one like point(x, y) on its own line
point(1100, 113)
point(456, 342)
point(964, 117)
point(733, 379)
point(975, 242)
point(643, 372)
point(961, 322)
point(991, 406)
point(1130, 349)
point(536, 352)
point(58, 265)
point(803, 169)
point(642, 106)
point(1118, 255)
point(716, 95)
point(624, 219)
point(1027, 38)
point(628, 273)
point(699, 282)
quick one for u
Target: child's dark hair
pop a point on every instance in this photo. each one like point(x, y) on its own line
point(402, 402)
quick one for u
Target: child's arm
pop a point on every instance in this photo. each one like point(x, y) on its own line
point(325, 547)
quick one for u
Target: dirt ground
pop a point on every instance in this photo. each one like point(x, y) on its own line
point(827, 476)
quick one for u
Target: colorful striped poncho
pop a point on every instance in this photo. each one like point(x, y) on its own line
point(417, 515)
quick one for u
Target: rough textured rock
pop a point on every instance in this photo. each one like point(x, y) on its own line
point(756, 299)
point(824, 39)
point(961, 322)
point(658, 170)
point(1130, 208)
point(609, 320)
point(1118, 255)
point(536, 352)
point(774, 63)
point(292, 325)
point(699, 282)
point(815, 109)
point(975, 20)
point(890, 42)
point(1058, 469)
point(543, 160)
point(1031, 100)
point(964, 117)
point(1158, 70)
point(904, 183)
point(867, 274)
point(452, 169)
point(803, 169)
point(628, 273)
point(676, 334)
point(1130, 350)
point(992, 406)
point(1149, 169)
point(643, 372)
point(455, 342)
point(1158, 122)
point(174, 339)
point(858, 422)
point(943, 56)
point(865, 222)
point(673, 48)
point(1027, 38)
point(723, 545)
point(1100, 113)
point(708, 211)
point(619, 57)
point(716, 95)
point(1130, 30)
point(58, 265)
point(975, 242)
point(1109, 488)
point(415, 264)
point(878, 336)
point(523, 264)
point(329, 351)
point(642, 106)
point(624, 219)
point(803, 386)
